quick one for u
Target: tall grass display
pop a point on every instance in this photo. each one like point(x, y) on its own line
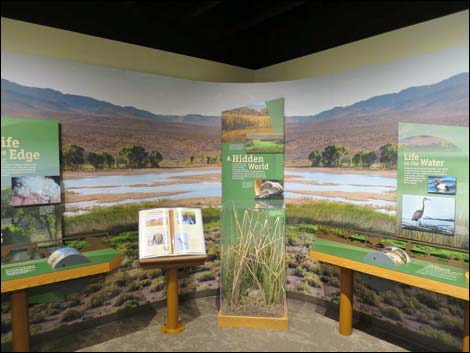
point(253, 278)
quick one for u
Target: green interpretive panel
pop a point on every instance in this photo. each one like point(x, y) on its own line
point(432, 184)
point(253, 213)
point(30, 183)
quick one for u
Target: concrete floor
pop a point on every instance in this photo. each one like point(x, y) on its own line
point(308, 331)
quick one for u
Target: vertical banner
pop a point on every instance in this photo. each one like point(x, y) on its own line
point(31, 190)
point(432, 192)
point(253, 216)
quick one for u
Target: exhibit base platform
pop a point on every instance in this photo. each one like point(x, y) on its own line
point(179, 328)
point(173, 326)
point(253, 322)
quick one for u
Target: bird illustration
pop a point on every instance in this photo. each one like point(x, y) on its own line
point(440, 186)
point(418, 214)
point(157, 239)
point(270, 189)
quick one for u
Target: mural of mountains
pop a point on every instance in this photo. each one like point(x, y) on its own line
point(453, 90)
point(16, 98)
point(365, 125)
point(101, 126)
point(372, 123)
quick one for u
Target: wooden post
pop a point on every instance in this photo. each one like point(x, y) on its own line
point(465, 330)
point(20, 321)
point(345, 302)
point(171, 264)
point(172, 327)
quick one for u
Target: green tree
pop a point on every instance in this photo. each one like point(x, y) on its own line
point(358, 158)
point(96, 160)
point(333, 155)
point(108, 159)
point(133, 156)
point(28, 221)
point(192, 158)
point(73, 156)
point(389, 155)
point(50, 221)
point(315, 158)
point(155, 158)
point(369, 158)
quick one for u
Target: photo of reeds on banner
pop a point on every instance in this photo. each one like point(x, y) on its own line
point(253, 220)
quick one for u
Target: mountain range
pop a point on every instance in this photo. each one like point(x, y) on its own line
point(365, 125)
point(16, 97)
point(452, 90)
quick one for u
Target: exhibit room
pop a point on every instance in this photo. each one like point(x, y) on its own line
point(235, 176)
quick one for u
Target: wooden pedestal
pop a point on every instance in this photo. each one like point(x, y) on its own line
point(171, 264)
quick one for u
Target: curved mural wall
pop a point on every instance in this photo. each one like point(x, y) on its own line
point(106, 114)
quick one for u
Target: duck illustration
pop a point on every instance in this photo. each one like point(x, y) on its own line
point(440, 186)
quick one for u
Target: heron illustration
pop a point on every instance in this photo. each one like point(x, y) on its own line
point(418, 214)
point(440, 186)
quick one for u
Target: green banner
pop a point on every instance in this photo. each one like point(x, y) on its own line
point(253, 214)
point(31, 187)
point(432, 190)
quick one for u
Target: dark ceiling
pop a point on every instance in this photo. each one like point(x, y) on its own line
point(249, 34)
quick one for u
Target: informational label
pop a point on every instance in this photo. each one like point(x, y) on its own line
point(253, 154)
point(20, 270)
point(253, 213)
point(440, 273)
point(432, 190)
point(30, 183)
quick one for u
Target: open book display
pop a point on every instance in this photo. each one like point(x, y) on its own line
point(170, 232)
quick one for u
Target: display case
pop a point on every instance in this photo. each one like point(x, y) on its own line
point(253, 262)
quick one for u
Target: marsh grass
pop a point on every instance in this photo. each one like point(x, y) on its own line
point(254, 264)
point(117, 219)
point(259, 146)
point(341, 214)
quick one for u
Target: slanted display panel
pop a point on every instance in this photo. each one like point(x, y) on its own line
point(253, 214)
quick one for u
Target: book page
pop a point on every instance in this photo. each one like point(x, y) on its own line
point(189, 232)
point(154, 233)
